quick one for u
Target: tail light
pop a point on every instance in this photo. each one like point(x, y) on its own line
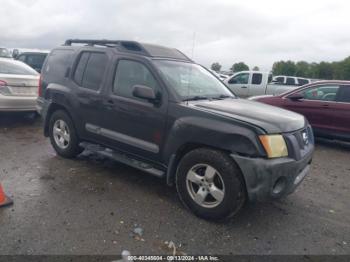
point(2, 83)
point(40, 86)
point(4, 90)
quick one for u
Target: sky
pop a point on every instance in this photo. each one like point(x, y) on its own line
point(225, 31)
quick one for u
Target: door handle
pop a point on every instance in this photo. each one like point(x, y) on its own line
point(325, 106)
point(243, 87)
point(109, 104)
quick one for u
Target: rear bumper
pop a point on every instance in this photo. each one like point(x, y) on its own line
point(17, 103)
point(268, 179)
point(41, 106)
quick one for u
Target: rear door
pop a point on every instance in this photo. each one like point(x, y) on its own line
point(258, 84)
point(239, 84)
point(89, 78)
point(317, 105)
point(341, 109)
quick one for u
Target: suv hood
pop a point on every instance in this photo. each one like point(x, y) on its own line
point(272, 119)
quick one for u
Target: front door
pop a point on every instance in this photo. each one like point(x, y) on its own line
point(239, 84)
point(132, 124)
point(316, 105)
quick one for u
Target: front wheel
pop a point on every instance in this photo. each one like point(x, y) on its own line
point(63, 136)
point(210, 184)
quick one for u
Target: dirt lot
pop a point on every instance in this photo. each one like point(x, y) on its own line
point(92, 205)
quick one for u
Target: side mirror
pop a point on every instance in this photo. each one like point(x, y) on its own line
point(144, 92)
point(295, 97)
point(232, 81)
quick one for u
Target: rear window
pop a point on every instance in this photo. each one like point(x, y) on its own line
point(16, 68)
point(58, 62)
point(36, 59)
point(257, 78)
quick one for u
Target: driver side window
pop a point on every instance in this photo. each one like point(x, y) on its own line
point(321, 93)
point(130, 73)
point(240, 79)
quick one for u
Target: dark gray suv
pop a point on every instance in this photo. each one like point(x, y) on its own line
point(153, 108)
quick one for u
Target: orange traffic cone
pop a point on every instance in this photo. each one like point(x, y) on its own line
point(4, 200)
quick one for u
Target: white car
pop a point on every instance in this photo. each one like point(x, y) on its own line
point(5, 53)
point(18, 86)
point(255, 83)
point(290, 80)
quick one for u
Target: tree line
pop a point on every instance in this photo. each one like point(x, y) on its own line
point(236, 67)
point(339, 70)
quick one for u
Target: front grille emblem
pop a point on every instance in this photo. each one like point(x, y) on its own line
point(305, 138)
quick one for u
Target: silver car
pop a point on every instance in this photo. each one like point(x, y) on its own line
point(18, 86)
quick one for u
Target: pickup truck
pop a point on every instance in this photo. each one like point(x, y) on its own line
point(255, 83)
point(154, 109)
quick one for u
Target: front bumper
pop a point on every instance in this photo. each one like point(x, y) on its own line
point(268, 179)
point(17, 103)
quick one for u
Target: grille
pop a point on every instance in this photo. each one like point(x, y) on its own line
point(300, 142)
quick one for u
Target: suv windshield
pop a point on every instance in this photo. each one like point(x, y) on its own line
point(191, 81)
point(4, 52)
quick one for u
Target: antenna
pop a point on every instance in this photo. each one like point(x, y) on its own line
point(193, 44)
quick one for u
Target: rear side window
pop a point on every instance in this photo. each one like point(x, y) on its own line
point(257, 78)
point(58, 62)
point(279, 80)
point(90, 70)
point(344, 94)
point(130, 73)
point(302, 82)
point(79, 70)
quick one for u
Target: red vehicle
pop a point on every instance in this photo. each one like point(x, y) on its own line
point(326, 104)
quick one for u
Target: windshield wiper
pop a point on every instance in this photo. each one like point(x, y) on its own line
point(222, 97)
point(195, 98)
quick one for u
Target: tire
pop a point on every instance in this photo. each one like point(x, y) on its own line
point(65, 142)
point(210, 184)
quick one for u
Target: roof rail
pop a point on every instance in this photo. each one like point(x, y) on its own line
point(89, 42)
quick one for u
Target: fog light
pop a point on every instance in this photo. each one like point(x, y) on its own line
point(279, 185)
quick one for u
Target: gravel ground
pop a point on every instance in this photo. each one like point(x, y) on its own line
point(92, 205)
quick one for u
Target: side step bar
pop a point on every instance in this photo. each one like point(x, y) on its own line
point(123, 158)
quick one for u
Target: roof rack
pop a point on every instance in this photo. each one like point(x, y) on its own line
point(102, 42)
point(133, 47)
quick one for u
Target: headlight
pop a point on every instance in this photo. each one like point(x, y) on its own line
point(274, 145)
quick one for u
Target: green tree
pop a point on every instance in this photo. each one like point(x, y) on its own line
point(256, 68)
point(284, 68)
point(241, 66)
point(302, 69)
point(216, 67)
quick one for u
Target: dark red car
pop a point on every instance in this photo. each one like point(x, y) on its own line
point(326, 104)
